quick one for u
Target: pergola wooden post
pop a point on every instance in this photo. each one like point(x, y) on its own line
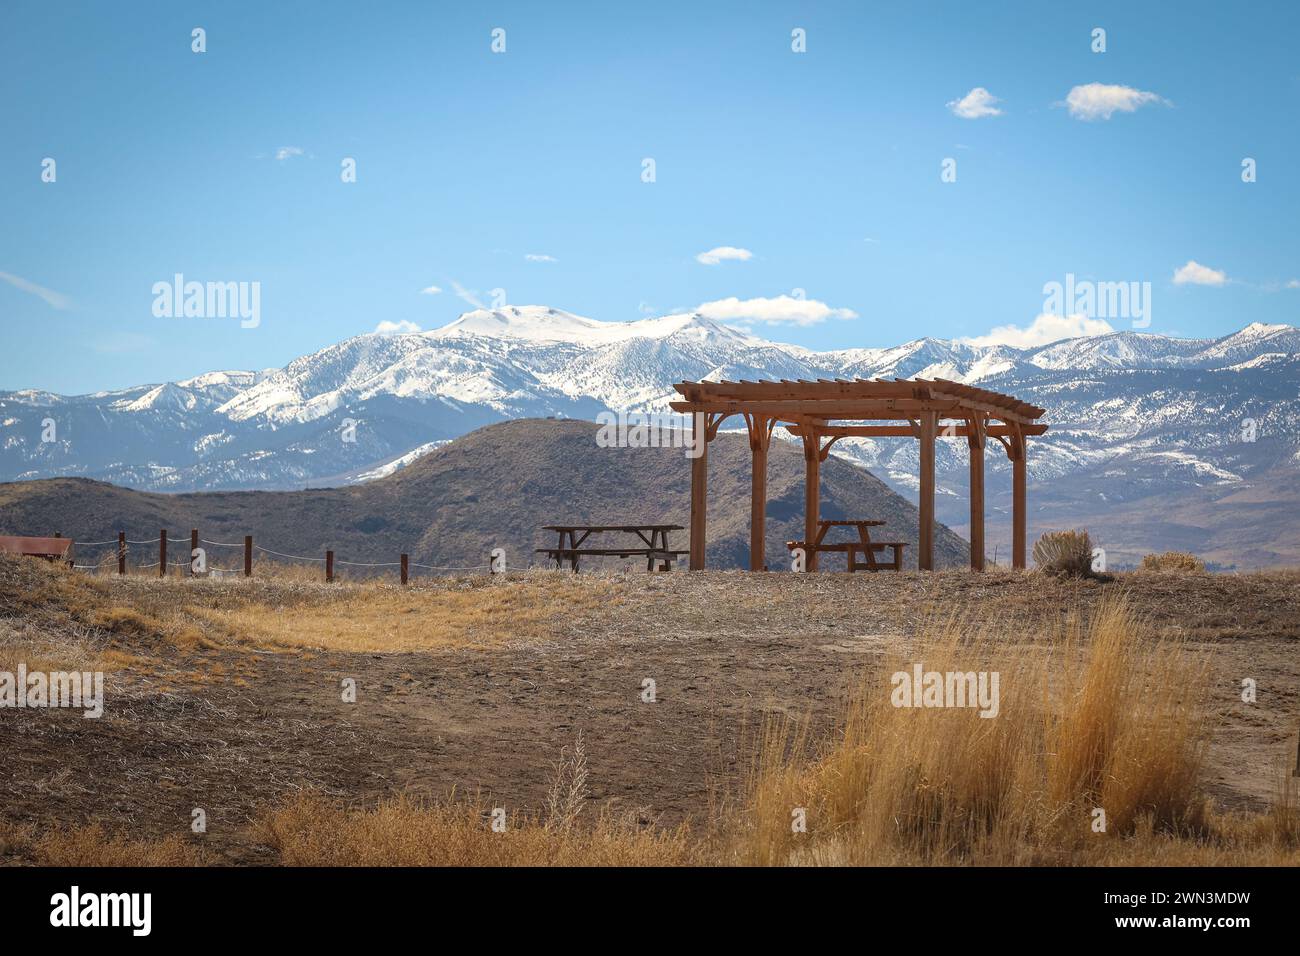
point(812, 459)
point(699, 486)
point(976, 425)
point(925, 505)
point(760, 437)
point(1016, 450)
point(838, 409)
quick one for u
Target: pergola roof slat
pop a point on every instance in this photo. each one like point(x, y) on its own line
point(833, 398)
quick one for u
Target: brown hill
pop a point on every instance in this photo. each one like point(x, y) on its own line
point(495, 487)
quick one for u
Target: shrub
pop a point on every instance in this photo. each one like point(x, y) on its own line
point(1173, 561)
point(1066, 553)
point(1103, 714)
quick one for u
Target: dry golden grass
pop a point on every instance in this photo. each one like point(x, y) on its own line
point(379, 618)
point(1094, 718)
point(309, 831)
point(1094, 712)
point(91, 845)
point(44, 651)
point(1065, 553)
point(1180, 561)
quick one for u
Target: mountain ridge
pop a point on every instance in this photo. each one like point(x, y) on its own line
point(1132, 414)
point(495, 487)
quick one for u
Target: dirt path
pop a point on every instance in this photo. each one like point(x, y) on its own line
point(237, 728)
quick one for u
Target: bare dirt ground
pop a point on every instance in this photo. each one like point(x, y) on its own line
point(209, 719)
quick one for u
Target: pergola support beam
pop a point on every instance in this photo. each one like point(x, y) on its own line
point(699, 487)
point(760, 437)
point(1018, 502)
point(975, 439)
point(925, 533)
point(868, 409)
point(812, 457)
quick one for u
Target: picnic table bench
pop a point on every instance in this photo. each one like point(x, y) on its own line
point(851, 549)
point(653, 545)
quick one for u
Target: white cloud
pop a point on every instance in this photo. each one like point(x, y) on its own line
point(978, 102)
point(288, 152)
point(56, 300)
point(1048, 327)
point(430, 290)
point(715, 256)
point(538, 257)
point(468, 295)
point(396, 328)
point(773, 311)
point(1196, 274)
point(1293, 284)
point(1101, 100)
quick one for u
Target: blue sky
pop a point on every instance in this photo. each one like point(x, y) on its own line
point(824, 166)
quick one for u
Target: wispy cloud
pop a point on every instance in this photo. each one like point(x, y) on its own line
point(468, 295)
point(1196, 274)
point(288, 152)
point(1094, 101)
point(779, 310)
point(715, 256)
point(539, 257)
point(1293, 284)
point(975, 104)
point(430, 290)
point(56, 300)
point(396, 328)
point(1046, 328)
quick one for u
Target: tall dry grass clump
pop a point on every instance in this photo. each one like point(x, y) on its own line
point(403, 831)
point(92, 846)
point(1178, 561)
point(310, 831)
point(1064, 553)
point(1094, 717)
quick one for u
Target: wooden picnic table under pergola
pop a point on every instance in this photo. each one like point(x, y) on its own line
point(820, 413)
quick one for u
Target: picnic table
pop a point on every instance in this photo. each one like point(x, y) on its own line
point(653, 544)
point(851, 549)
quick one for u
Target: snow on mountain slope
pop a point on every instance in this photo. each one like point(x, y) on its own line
point(537, 323)
point(1130, 412)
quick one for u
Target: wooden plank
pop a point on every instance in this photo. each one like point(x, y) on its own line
point(852, 410)
point(759, 435)
point(976, 443)
point(811, 494)
point(35, 547)
point(1018, 505)
point(699, 488)
point(629, 528)
point(925, 535)
point(857, 389)
point(908, 431)
point(610, 552)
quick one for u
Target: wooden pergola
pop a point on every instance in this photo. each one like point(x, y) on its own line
point(823, 412)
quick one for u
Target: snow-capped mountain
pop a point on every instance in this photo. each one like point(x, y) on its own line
point(1133, 415)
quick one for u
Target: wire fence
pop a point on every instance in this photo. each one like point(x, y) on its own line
point(196, 564)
